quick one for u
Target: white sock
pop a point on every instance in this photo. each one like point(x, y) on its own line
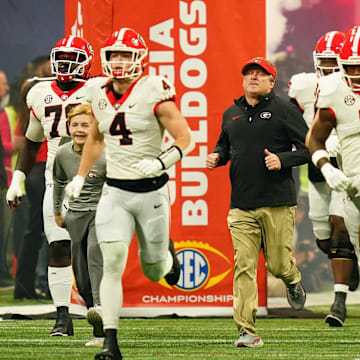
point(60, 284)
point(111, 292)
point(341, 288)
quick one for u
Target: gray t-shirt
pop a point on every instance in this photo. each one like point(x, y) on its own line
point(66, 165)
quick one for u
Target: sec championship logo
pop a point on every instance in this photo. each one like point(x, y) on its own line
point(196, 259)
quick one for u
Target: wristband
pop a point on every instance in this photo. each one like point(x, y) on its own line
point(170, 157)
point(319, 154)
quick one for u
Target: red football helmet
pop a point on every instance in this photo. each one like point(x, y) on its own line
point(328, 48)
point(349, 56)
point(71, 58)
point(128, 41)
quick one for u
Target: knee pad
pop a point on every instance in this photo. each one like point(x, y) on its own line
point(324, 245)
point(321, 229)
point(114, 256)
point(60, 253)
point(341, 247)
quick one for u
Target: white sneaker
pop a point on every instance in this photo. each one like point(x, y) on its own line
point(96, 342)
point(94, 318)
point(248, 340)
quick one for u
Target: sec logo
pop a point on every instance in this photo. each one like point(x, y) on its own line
point(202, 266)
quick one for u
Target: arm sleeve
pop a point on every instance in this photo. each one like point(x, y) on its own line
point(297, 130)
point(60, 181)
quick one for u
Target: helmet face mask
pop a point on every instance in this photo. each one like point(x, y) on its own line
point(71, 58)
point(124, 54)
point(326, 53)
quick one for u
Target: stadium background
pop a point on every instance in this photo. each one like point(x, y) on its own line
point(201, 46)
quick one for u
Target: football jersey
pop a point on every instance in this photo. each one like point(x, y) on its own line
point(48, 106)
point(130, 127)
point(344, 104)
point(302, 88)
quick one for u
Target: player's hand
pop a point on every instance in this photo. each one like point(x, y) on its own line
point(212, 160)
point(59, 219)
point(73, 188)
point(332, 145)
point(15, 191)
point(335, 178)
point(148, 167)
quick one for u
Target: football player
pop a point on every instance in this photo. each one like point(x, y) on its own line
point(326, 206)
point(338, 107)
point(132, 111)
point(49, 102)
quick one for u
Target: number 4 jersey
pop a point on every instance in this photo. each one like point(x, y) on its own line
point(48, 106)
point(129, 123)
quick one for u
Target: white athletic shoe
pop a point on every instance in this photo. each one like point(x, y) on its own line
point(246, 340)
point(96, 342)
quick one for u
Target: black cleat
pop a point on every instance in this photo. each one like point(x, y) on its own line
point(354, 277)
point(337, 315)
point(63, 325)
point(110, 350)
point(174, 275)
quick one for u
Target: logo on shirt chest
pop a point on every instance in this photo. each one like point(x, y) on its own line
point(349, 100)
point(48, 99)
point(265, 115)
point(102, 104)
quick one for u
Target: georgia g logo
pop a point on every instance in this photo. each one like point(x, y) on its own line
point(265, 115)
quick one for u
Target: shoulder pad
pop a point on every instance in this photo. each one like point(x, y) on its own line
point(328, 84)
point(302, 81)
point(35, 92)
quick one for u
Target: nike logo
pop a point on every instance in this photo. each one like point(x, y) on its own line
point(237, 117)
point(156, 206)
point(79, 97)
point(131, 106)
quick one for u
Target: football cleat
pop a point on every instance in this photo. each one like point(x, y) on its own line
point(337, 315)
point(63, 325)
point(110, 351)
point(173, 276)
point(94, 318)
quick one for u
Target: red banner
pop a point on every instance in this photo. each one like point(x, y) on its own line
point(201, 47)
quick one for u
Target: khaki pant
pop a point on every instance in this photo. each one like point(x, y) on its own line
point(272, 228)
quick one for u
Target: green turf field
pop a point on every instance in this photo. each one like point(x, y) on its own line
point(193, 339)
point(185, 338)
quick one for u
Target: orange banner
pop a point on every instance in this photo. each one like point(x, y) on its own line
point(201, 47)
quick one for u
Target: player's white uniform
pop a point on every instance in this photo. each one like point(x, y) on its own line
point(49, 105)
point(344, 104)
point(322, 201)
point(132, 132)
